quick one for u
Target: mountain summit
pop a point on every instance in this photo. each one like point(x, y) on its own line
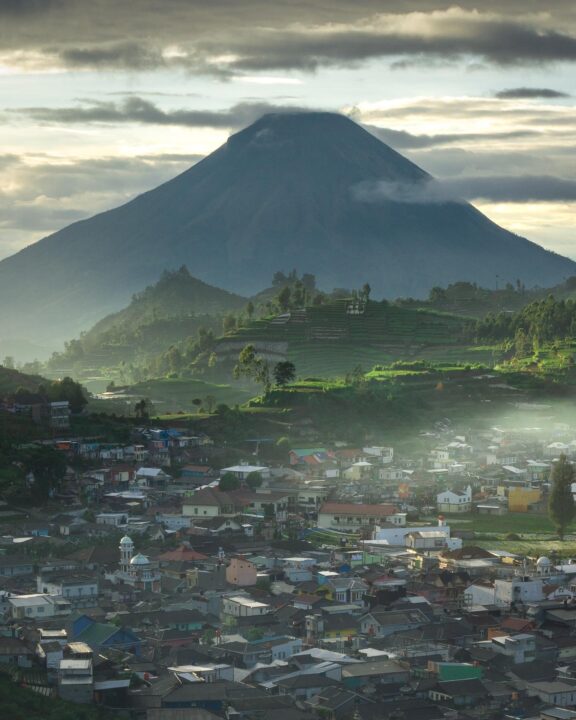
point(311, 191)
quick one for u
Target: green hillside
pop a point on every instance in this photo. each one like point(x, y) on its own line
point(170, 395)
point(330, 340)
point(11, 380)
point(173, 309)
point(471, 300)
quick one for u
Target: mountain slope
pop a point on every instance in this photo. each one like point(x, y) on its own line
point(312, 191)
point(167, 312)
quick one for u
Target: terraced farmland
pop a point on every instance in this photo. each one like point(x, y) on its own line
point(332, 339)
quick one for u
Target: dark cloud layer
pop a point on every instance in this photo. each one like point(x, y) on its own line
point(138, 110)
point(259, 35)
point(529, 93)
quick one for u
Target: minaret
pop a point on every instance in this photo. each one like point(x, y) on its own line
point(126, 553)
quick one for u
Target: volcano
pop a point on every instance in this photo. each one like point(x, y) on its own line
point(310, 191)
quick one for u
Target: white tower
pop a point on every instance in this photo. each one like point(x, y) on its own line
point(126, 553)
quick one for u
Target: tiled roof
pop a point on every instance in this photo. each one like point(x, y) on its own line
point(353, 509)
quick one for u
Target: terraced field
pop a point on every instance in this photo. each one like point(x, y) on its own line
point(332, 339)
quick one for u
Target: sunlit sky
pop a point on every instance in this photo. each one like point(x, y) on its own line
point(100, 101)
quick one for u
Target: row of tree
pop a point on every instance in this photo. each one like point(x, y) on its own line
point(541, 321)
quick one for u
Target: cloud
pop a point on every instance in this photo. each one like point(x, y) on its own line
point(400, 139)
point(504, 189)
point(256, 36)
point(528, 92)
point(141, 111)
point(521, 189)
point(123, 56)
point(42, 194)
point(429, 192)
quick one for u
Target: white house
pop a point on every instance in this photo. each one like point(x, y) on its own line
point(384, 454)
point(455, 502)
point(504, 591)
point(243, 606)
point(109, 518)
point(399, 536)
point(242, 471)
point(349, 516)
point(151, 477)
point(38, 606)
point(298, 569)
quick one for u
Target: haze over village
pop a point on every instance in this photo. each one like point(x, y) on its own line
point(287, 360)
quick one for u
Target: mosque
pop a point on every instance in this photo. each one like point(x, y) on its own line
point(136, 570)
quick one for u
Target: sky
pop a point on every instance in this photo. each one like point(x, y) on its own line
point(102, 100)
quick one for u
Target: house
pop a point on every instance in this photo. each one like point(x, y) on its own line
point(243, 471)
point(79, 590)
point(522, 499)
point(148, 477)
point(298, 569)
point(13, 565)
point(212, 502)
point(38, 606)
point(76, 681)
point(460, 693)
point(361, 470)
point(196, 472)
point(381, 622)
point(427, 540)
point(15, 652)
point(50, 654)
point(349, 516)
point(559, 693)
point(266, 650)
point(237, 606)
point(519, 648)
point(323, 626)
point(241, 572)
point(380, 672)
point(101, 636)
point(347, 590)
point(450, 501)
point(117, 519)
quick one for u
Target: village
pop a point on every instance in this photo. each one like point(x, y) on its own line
point(337, 582)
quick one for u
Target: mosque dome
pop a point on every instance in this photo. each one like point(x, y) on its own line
point(543, 562)
point(139, 559)
point(126, 541)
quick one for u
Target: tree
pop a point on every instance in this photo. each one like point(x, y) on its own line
point(284, 297)
point(69, 390)
point(254, 480)
point(279, 278)
point(253, 366)
point(48, 467)
point(8, 362)
point(366, 290)
point(198, 403)
point(284, 373)
point(228, 482)
point(229, 323)
point(141, 409)
point(561, 508)
point(209, 403)
point(250, 309)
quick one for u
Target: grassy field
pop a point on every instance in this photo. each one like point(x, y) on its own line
point(536, 534)
point(171, 395)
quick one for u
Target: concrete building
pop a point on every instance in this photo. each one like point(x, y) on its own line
point(455, 502)
point(349, 516)
point(241, 572)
